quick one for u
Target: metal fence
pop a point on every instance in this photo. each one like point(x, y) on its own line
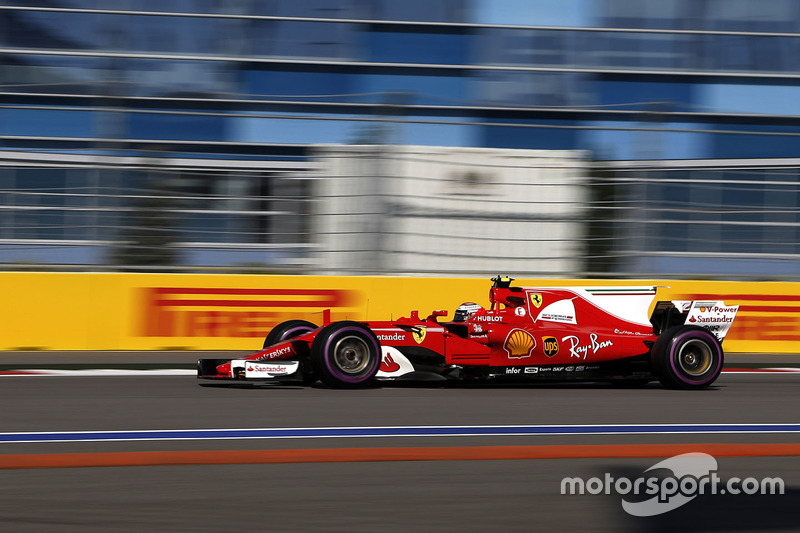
point(150, 213)
point(717, 218)
point(403, 210)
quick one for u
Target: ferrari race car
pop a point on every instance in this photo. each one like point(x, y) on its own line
point(537, 334)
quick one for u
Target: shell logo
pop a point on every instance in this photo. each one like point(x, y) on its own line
point(519, 344)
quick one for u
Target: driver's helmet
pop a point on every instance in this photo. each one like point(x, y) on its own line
point(466, 310)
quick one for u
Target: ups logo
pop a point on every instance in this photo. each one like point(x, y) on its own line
point(550, 346)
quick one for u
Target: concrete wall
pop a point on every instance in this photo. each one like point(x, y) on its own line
point(460, 211)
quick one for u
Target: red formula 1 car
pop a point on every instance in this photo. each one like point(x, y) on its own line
point(591, 334)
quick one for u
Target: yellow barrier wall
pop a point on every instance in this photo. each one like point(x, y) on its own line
point(90, 311)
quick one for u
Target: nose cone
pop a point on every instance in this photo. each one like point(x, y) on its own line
point(224, 369)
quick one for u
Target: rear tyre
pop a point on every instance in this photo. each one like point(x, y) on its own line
point(346, 354)
point(288, 330)
point(687, 357)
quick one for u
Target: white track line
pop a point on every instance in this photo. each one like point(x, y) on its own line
point(112, 372)
point(115, 372)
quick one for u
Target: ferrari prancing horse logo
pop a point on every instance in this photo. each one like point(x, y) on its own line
point(536, 299)
point(419, 332)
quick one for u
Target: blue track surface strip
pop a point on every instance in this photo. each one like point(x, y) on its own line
point(398, 431)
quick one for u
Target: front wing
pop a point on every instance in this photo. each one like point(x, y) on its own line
point(250, 370)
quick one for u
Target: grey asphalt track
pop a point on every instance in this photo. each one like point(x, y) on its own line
point(496, 495)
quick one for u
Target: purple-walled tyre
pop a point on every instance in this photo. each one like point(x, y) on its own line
point(346, 354)
point(288, 330)
point(687, 357)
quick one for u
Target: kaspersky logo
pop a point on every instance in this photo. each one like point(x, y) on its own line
point(231, 312)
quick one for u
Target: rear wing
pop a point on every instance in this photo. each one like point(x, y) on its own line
point(714, 316)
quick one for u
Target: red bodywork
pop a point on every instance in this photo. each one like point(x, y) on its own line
point(522, 327)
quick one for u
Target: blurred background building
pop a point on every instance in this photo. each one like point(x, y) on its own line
point(546, 137)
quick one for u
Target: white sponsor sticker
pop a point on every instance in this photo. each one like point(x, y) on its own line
point(393, 363)
point(562, 311)
point(576, 349)
point(714, 316)
point(266, 370)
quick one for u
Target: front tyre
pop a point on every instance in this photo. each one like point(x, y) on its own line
point(288, 330)
point(687, 357)
point(346, 354)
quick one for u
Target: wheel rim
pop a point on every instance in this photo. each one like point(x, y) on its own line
point(351, 354)
point(695, 357)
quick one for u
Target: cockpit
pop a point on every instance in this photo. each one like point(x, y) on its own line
point(466, 311)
